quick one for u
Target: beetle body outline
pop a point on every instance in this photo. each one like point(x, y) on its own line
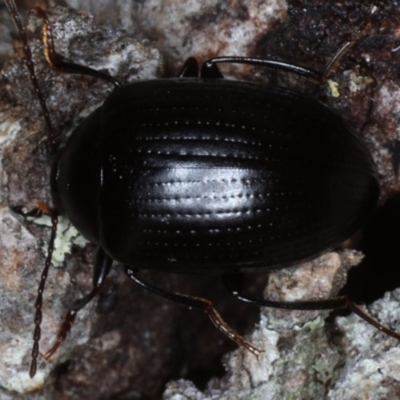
point(214, 172)
point(104, 261)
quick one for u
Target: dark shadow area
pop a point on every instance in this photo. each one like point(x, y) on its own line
point(379, 272)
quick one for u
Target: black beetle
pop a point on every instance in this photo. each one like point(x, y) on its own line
point(199, 174)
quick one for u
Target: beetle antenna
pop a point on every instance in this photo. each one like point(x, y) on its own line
point(39, 298)
point(51, 137)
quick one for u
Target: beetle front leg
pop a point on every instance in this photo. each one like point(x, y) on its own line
point(57, 62)
point(209, 69)
point(101, 269)
point(195, 302)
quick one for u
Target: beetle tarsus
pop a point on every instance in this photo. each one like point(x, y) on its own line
point(362, 314)
point(65, 328)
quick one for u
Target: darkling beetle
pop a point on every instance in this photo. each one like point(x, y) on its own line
point(200, 174)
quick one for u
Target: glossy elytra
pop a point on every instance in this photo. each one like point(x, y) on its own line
point(201, 174)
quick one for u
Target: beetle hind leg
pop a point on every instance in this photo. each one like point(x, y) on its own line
point(233, 284)
point(195, 302)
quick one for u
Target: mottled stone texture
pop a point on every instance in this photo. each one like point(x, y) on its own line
point(129, 344)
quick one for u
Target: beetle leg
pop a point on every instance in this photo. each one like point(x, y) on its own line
point(54, 60)
point(362, 314)
point(190, 69)
point(57, 62)
point(233, 284)
point(101, 269)
point(40, 210)
point(195, 302)
point(209, 68)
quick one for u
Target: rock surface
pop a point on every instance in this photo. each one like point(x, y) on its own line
point(130, 344)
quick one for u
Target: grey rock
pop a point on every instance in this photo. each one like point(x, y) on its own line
point(140, 343)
